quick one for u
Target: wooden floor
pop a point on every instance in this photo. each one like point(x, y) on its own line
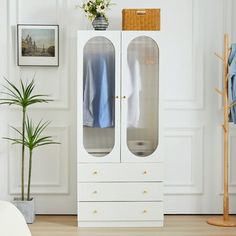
point(175, 225)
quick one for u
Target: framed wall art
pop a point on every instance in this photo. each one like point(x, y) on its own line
point(37, 45)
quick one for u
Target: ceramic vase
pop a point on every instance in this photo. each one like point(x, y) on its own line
point(100, 23)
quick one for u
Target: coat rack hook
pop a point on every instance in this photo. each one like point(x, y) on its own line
point(218, 91)
point(232, 104)
point(227, 77)
point(220, 57)
point(224, 128)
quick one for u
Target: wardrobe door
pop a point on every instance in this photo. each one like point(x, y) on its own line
point(98, 97)
point(140, 97)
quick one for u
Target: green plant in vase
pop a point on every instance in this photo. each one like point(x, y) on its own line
point(95, 10)
point(22, 97)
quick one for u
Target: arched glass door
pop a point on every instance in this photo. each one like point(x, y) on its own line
point(142, 94)
point(98, 96)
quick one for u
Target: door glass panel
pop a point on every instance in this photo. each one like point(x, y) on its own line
point(98, 96)
point(142, 94)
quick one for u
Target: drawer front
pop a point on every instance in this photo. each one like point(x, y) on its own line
point(139, 172)
point(120, 211)
point(120, 191)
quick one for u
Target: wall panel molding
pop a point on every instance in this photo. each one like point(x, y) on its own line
point(232, 160)
point(52, 161)
point(186, 149)
point(56, 78)
point(196, 99)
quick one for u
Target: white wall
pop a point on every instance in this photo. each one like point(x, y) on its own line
point(193, 115)
point(3, 128)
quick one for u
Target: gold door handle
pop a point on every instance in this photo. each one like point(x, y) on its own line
point(124, 97)
point(145, 172)
point(95, 212)
point(144, 192)
point(95, 172)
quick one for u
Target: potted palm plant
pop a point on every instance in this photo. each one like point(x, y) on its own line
point(33, 139)
point(30, 136)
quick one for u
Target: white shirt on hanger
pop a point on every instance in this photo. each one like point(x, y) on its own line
point(133, 90)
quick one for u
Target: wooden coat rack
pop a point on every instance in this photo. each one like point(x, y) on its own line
point(225, 220)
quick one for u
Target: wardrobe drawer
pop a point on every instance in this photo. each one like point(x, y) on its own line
point(120, 211)
point(120, 172)
point(120, 191)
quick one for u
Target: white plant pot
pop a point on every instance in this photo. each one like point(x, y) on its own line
point(27, 208)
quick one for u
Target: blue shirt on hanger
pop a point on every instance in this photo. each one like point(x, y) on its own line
point(98, 91)
point(232, 83)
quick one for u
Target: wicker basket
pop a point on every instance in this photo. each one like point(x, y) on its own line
point(141, 19)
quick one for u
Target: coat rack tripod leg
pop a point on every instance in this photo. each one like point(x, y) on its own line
point(225, 220)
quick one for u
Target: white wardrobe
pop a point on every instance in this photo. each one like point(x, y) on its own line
point(119, 136)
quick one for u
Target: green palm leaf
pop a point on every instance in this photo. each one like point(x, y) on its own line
point(34, 136)
point(22, 96)
point(12, 88)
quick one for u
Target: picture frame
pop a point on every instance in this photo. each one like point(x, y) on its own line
point(37, 45)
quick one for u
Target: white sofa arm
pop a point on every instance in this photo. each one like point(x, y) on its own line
point(12, 222)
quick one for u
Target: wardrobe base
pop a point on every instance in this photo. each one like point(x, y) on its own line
point(105, 224)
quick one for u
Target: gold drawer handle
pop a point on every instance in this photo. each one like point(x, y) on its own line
point(95, 212)
point(144, 211)
point(144, 191)
point(95, 192)
point(124, 97)
point(95, 172)
point(145, 172)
